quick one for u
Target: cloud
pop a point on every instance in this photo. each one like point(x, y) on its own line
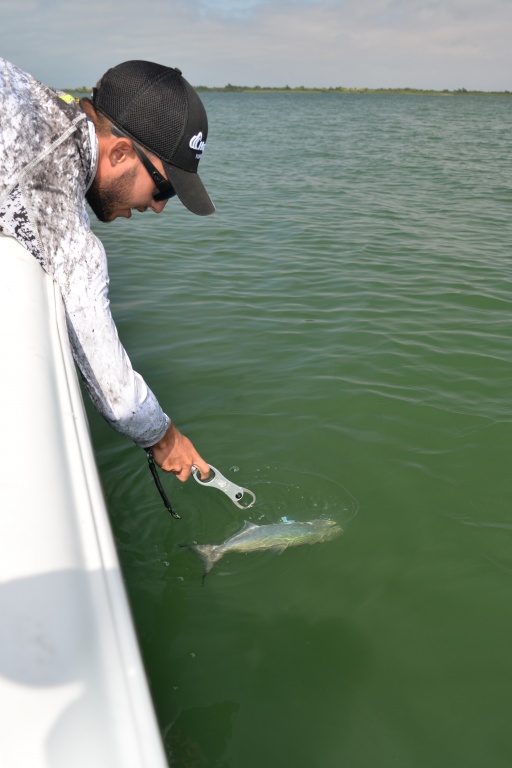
point(388, 43)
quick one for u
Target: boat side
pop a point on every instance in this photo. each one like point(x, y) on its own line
point(72, 685)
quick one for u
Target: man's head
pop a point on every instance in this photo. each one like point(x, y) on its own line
point(156, 133)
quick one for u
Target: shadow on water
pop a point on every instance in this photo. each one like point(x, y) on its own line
point(292, 683)
point(182, 738)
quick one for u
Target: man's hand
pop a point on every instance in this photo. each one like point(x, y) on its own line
point(175, 453)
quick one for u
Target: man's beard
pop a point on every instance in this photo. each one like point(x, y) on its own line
point(105, 201)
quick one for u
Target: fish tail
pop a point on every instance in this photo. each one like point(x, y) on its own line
point(207, 553)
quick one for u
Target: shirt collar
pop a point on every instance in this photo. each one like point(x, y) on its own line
point(94, 154)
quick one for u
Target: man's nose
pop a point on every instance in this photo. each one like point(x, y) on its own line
point(158, 205)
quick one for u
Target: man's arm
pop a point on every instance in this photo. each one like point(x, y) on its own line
point(118, 392)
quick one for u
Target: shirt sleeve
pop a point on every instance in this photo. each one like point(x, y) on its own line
point(118, 392)
point(44, 172)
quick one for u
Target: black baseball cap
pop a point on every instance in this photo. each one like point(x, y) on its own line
point(157, 108)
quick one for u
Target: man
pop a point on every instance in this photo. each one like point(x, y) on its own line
point(133, 147)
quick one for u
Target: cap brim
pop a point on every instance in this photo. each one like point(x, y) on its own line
point(190, 190)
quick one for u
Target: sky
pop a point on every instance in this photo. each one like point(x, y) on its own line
point(313, 43)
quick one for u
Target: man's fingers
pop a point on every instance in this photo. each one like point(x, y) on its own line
point(184, 472)
point(175, 453)
point(204, 469)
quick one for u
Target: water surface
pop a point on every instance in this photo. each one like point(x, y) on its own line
point(337, 339)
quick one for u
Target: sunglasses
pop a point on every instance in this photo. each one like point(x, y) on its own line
point(164, 189)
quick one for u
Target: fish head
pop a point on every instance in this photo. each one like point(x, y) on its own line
point(328, 528)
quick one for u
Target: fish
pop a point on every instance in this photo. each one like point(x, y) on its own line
point(276, 537)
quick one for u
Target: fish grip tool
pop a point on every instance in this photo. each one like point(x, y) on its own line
point(214, 480)
point(233, 491)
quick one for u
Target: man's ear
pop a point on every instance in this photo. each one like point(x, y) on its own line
point(120, 151)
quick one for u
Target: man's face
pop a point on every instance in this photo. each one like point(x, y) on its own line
point(124, 188)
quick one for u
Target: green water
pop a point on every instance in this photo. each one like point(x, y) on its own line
point(337, 339)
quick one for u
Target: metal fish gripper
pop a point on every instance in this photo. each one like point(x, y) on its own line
point(234, 492)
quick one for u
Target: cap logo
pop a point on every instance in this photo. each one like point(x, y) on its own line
point(197, 144)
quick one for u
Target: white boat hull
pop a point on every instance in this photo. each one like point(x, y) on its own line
point(73, 691)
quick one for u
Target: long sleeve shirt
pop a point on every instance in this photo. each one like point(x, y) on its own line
point(48, 157)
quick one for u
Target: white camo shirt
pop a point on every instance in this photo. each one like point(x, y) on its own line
point(48, 155)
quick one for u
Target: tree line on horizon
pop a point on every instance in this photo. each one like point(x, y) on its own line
point(229, 88)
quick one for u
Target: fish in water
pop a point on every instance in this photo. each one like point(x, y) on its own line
point(277, 537)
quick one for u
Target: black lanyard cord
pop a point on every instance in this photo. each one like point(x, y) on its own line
point(153, 470)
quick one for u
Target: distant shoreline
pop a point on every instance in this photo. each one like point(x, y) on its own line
point(287, 89)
